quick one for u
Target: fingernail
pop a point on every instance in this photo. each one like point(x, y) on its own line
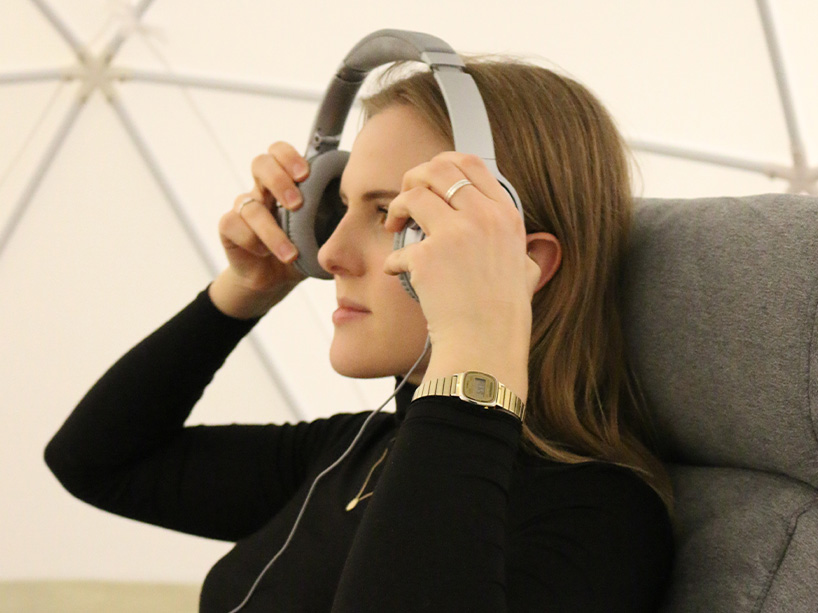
point(299, 170)
point(286, 252)
point(293, 197)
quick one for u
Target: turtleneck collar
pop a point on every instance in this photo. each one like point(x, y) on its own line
point(403, 398)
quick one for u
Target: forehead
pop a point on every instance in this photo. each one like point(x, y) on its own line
point(390, 143)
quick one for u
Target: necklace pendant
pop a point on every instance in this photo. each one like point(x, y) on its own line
point(358, 497)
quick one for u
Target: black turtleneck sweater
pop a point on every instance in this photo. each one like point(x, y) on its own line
point(454, 517)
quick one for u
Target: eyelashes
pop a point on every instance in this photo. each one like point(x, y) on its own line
point(381, 210)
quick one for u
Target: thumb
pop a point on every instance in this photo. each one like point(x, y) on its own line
point(396, 262)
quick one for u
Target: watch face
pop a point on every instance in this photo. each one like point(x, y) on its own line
point(479, 387)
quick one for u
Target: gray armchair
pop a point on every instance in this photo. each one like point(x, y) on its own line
point(720, 319)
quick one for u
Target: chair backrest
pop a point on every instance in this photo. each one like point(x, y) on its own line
point(721, 296)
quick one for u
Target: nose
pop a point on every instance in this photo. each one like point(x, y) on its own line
point(342, 253)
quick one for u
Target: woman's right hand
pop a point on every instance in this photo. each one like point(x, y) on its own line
point(260, 256)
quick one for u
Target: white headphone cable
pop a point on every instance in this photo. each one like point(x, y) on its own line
point(324, 472)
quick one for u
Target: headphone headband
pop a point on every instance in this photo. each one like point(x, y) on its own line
point(395, 45)
point(470, 124)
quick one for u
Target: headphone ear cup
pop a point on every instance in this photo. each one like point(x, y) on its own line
point(409, 235)
point(312, 224)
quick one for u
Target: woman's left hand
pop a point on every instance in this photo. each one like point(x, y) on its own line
point(471, 272)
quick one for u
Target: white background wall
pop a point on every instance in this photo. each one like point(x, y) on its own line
point(99, 260)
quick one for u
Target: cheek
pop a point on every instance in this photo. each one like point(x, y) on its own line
point(397, 294)
point(412, 318)
point(405, 311)
point(398, 311)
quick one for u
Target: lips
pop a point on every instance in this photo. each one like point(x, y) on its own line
point(346, 303)
point(349, 310)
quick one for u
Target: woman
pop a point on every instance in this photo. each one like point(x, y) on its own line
point(443, 506)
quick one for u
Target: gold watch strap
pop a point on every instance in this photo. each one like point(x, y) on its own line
point(474, 387)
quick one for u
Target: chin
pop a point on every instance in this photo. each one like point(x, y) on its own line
point(363, 373)
point(355, 372)
point(354, 365)
point(357, 365)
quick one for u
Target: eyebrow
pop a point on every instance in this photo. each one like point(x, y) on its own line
point(372, 195)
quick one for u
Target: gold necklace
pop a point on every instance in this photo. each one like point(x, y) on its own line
point(354, 502)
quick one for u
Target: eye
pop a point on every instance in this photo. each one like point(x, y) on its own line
point(381, 209)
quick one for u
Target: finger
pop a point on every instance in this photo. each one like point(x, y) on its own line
point(235, 233)
point(439, 175)
point(289, 159)
point(425, 207)
point(399, 261)
point(274, 184)
point(261, 222)
point(474, 169)
point(243, 200)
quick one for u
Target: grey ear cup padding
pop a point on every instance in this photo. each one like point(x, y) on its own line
point(311, 225)
point(410, 234)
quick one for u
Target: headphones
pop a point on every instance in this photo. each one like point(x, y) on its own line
point(312, 224)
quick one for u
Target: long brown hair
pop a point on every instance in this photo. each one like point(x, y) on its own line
point(559, 147)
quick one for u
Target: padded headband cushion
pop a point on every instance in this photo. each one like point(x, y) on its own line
point(310, 226)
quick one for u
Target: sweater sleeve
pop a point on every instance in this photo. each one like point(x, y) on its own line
point(592, 537)
point(434, 532)
point(441, 533)
point(125, 448)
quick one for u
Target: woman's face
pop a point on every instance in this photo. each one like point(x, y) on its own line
point(385, 331)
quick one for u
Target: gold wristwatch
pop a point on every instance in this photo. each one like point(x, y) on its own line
point(477, 388)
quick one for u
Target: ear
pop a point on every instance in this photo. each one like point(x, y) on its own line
point(546, 251)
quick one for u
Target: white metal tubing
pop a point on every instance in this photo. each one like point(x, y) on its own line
point(782, 80)
point(61, 27)
point(277, 91)
point(116, 42)
point(35, 180)
point(202, 250)
point(164, 184)
point(280, 382)
point(771, 170)
point(32, 75)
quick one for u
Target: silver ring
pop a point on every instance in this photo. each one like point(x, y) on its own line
point(245, 203)
point(453, 189)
